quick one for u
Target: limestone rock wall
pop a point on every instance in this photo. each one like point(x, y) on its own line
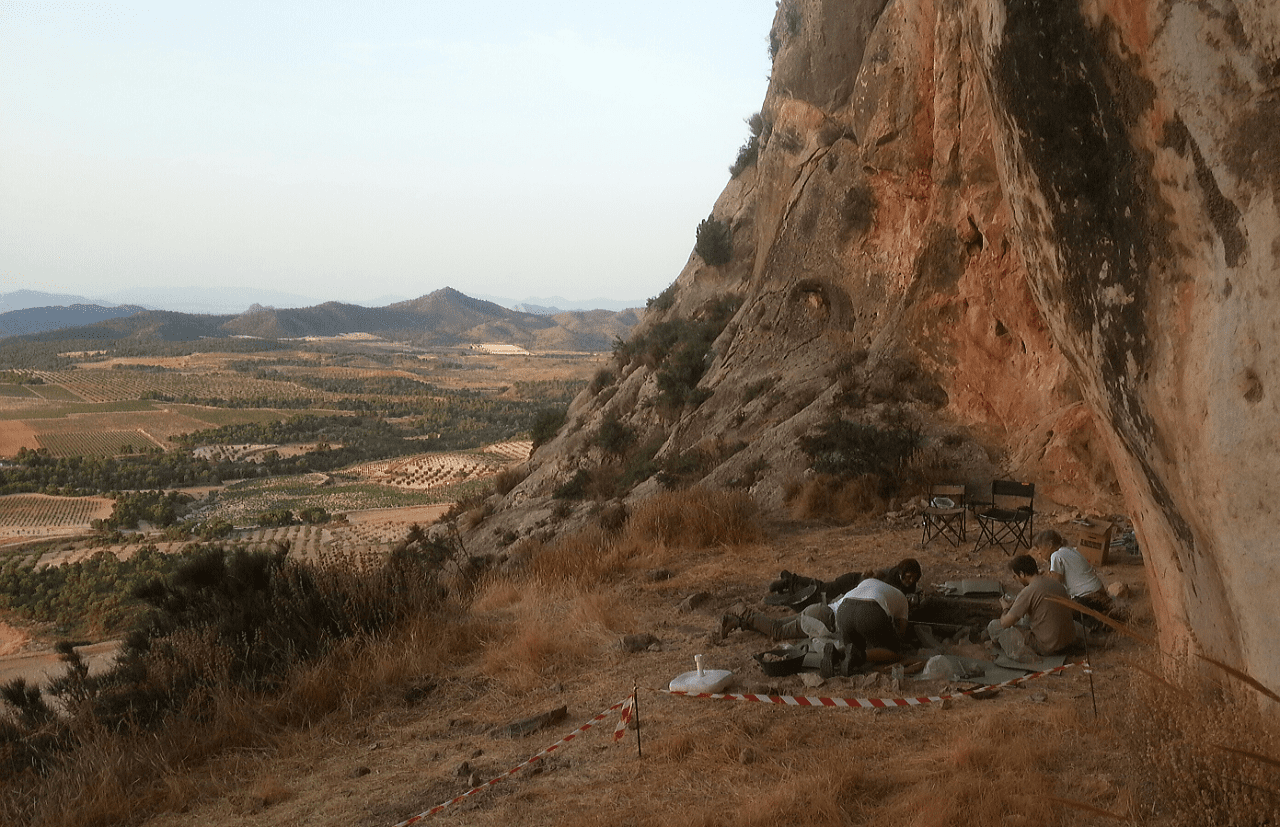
point(1047, 225)
point(1139, 146)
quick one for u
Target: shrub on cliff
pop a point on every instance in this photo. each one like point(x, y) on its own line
point(714, 241)
point(847, 449)
point(546, 424)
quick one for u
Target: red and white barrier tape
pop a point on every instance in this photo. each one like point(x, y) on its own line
point(626, 706)
point(864, 703)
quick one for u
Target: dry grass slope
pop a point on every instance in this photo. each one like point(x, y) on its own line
point(385, 727)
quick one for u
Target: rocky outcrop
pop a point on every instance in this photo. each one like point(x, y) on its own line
point(1138, 148)
point(1043, 231)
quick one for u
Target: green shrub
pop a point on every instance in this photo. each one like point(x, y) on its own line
point(663, 301)
point(314, 515)
point(714, 241)
point(276, 517)
point(602, 379)
point(574, 488)
point(748, 154)
point(640, 464)
point(508, 478)
point(546, 425)
point(614, 436)
point(847, 449)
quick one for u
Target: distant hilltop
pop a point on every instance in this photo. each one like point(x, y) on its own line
point(445, 317)
point(222, 301)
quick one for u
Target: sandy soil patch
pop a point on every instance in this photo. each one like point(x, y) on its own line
point(424, 515)
point(15, 435)
point(11, 639)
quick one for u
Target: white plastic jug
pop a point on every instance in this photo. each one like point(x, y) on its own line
point(701, 680)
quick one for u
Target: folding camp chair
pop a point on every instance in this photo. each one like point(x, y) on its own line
point(944, 516)
point(1008, 520)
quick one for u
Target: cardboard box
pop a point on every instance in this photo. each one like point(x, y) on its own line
point(1095, 543)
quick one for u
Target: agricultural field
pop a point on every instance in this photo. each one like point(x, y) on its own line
point(15, 435)
point(104, 433)
point(428, 471)
point(58, 393)
point(34, 515)
point(59, 410)
point(96, 443)
point(241, 503)
point(97, 385)
point(517, 450)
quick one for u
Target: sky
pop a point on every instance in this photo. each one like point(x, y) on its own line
point(357, 151)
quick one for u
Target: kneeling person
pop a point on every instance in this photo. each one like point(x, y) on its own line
point(1032, 619)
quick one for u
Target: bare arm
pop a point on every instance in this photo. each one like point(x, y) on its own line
point(1015, 609)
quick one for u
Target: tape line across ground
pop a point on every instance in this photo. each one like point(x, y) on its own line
point(626, 706)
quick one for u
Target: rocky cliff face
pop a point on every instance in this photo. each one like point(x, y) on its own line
point(1045, 232)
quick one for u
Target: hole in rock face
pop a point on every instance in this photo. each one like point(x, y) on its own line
point(1001, 330)
point(1253, 391)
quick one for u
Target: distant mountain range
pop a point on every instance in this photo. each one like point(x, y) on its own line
point(443, 318)
point(218, 301)
point(40, 319)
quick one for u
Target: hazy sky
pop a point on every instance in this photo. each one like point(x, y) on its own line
point(356, 150)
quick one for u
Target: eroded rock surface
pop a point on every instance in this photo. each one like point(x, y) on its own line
point(1048, 228)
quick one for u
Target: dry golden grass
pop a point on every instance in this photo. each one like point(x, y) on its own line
point(698, 517)
point(1209, 751)
point(832, 499)
point(541, 633)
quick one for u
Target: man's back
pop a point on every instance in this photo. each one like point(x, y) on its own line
point(1052, 625)
point(1078, 576)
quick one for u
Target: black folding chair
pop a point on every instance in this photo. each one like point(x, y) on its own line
point(1009, 519)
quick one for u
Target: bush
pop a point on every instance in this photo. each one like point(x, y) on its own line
point(1206, 751)
point(714, 241)
point(614, 436)
point(226, 635)
point(640, 465)
point(847, 449)
point(602, 379)
point(831, 498)
point(276, 517)
point(699, 518)
point(314, 515)
point(574, 488)
point(748, 154)
point(546, 424)
point(664, 301)
point(508, 478)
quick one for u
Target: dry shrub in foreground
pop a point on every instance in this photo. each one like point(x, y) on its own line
point(1208, 750)
point(978, 763)
point(542, 631)
point(828, 497)
point(698, 518)
point(239, 649)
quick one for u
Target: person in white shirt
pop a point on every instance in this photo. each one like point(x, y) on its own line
point(875, 612)
point(867, 621)
point(1068, 567)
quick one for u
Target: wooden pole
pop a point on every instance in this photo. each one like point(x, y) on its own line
point(635, 710)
